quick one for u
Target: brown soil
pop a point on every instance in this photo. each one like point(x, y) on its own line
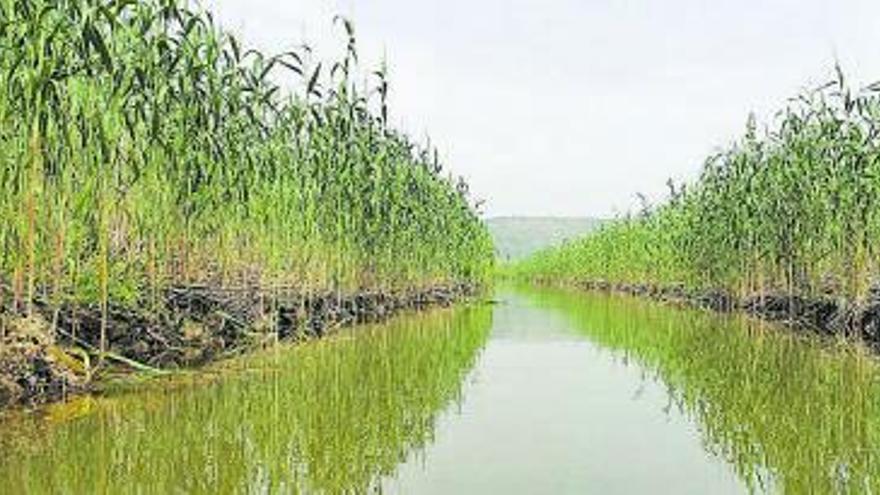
point(42, 361)
point(824, 315)
point(32, 367)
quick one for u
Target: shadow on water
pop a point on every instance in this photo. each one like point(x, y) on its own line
point(790, 414)
point(330, 416)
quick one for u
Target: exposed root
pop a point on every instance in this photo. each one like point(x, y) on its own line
point(824, 315)
point(32, 367)
point(193, 325)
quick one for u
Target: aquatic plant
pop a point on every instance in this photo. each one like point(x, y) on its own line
point(142, 147)
point(794, 210)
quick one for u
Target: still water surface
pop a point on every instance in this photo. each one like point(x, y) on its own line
point(548, 391)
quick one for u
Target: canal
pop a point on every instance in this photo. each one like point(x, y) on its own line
point(543, 391)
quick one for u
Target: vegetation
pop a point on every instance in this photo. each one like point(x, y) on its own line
point(516, 238)
point(142, 147)
point(794, 210)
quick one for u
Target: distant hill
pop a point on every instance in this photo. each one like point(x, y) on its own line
point(518, 237)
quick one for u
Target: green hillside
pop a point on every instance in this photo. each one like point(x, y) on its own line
point(518, 237)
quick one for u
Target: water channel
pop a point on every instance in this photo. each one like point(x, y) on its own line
point(544, 391)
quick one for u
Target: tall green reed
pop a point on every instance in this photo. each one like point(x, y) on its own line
point(144, 147)
point(791, 210)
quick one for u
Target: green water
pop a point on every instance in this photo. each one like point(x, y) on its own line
point(549, 391)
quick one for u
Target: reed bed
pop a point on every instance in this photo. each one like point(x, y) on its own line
point(791, 210)
point(143, 147)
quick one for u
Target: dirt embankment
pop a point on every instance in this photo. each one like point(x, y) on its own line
point(825, 315)
point(53, 352)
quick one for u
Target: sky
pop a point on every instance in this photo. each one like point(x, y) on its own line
point(571, 107)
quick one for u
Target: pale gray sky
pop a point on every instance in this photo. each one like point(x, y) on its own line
point(569, 107)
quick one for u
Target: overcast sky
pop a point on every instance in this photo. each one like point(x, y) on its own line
point(570, 107)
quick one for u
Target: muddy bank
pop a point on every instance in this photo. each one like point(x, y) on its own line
point(824, 315)
point(53, 352)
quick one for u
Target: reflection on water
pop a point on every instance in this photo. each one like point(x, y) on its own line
point(548, 411)
point(572, 393)
point(332, 416)
point(791, 414)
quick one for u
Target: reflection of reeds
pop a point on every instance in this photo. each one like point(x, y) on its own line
point(142, 147)
point(794, 414)
point(791, 211)
point(330, 416)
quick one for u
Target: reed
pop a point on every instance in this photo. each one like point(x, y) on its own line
point(143, 147)
point(791, 210)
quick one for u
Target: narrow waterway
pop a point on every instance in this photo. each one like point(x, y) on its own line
point(548, 411)
point(546, 391)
